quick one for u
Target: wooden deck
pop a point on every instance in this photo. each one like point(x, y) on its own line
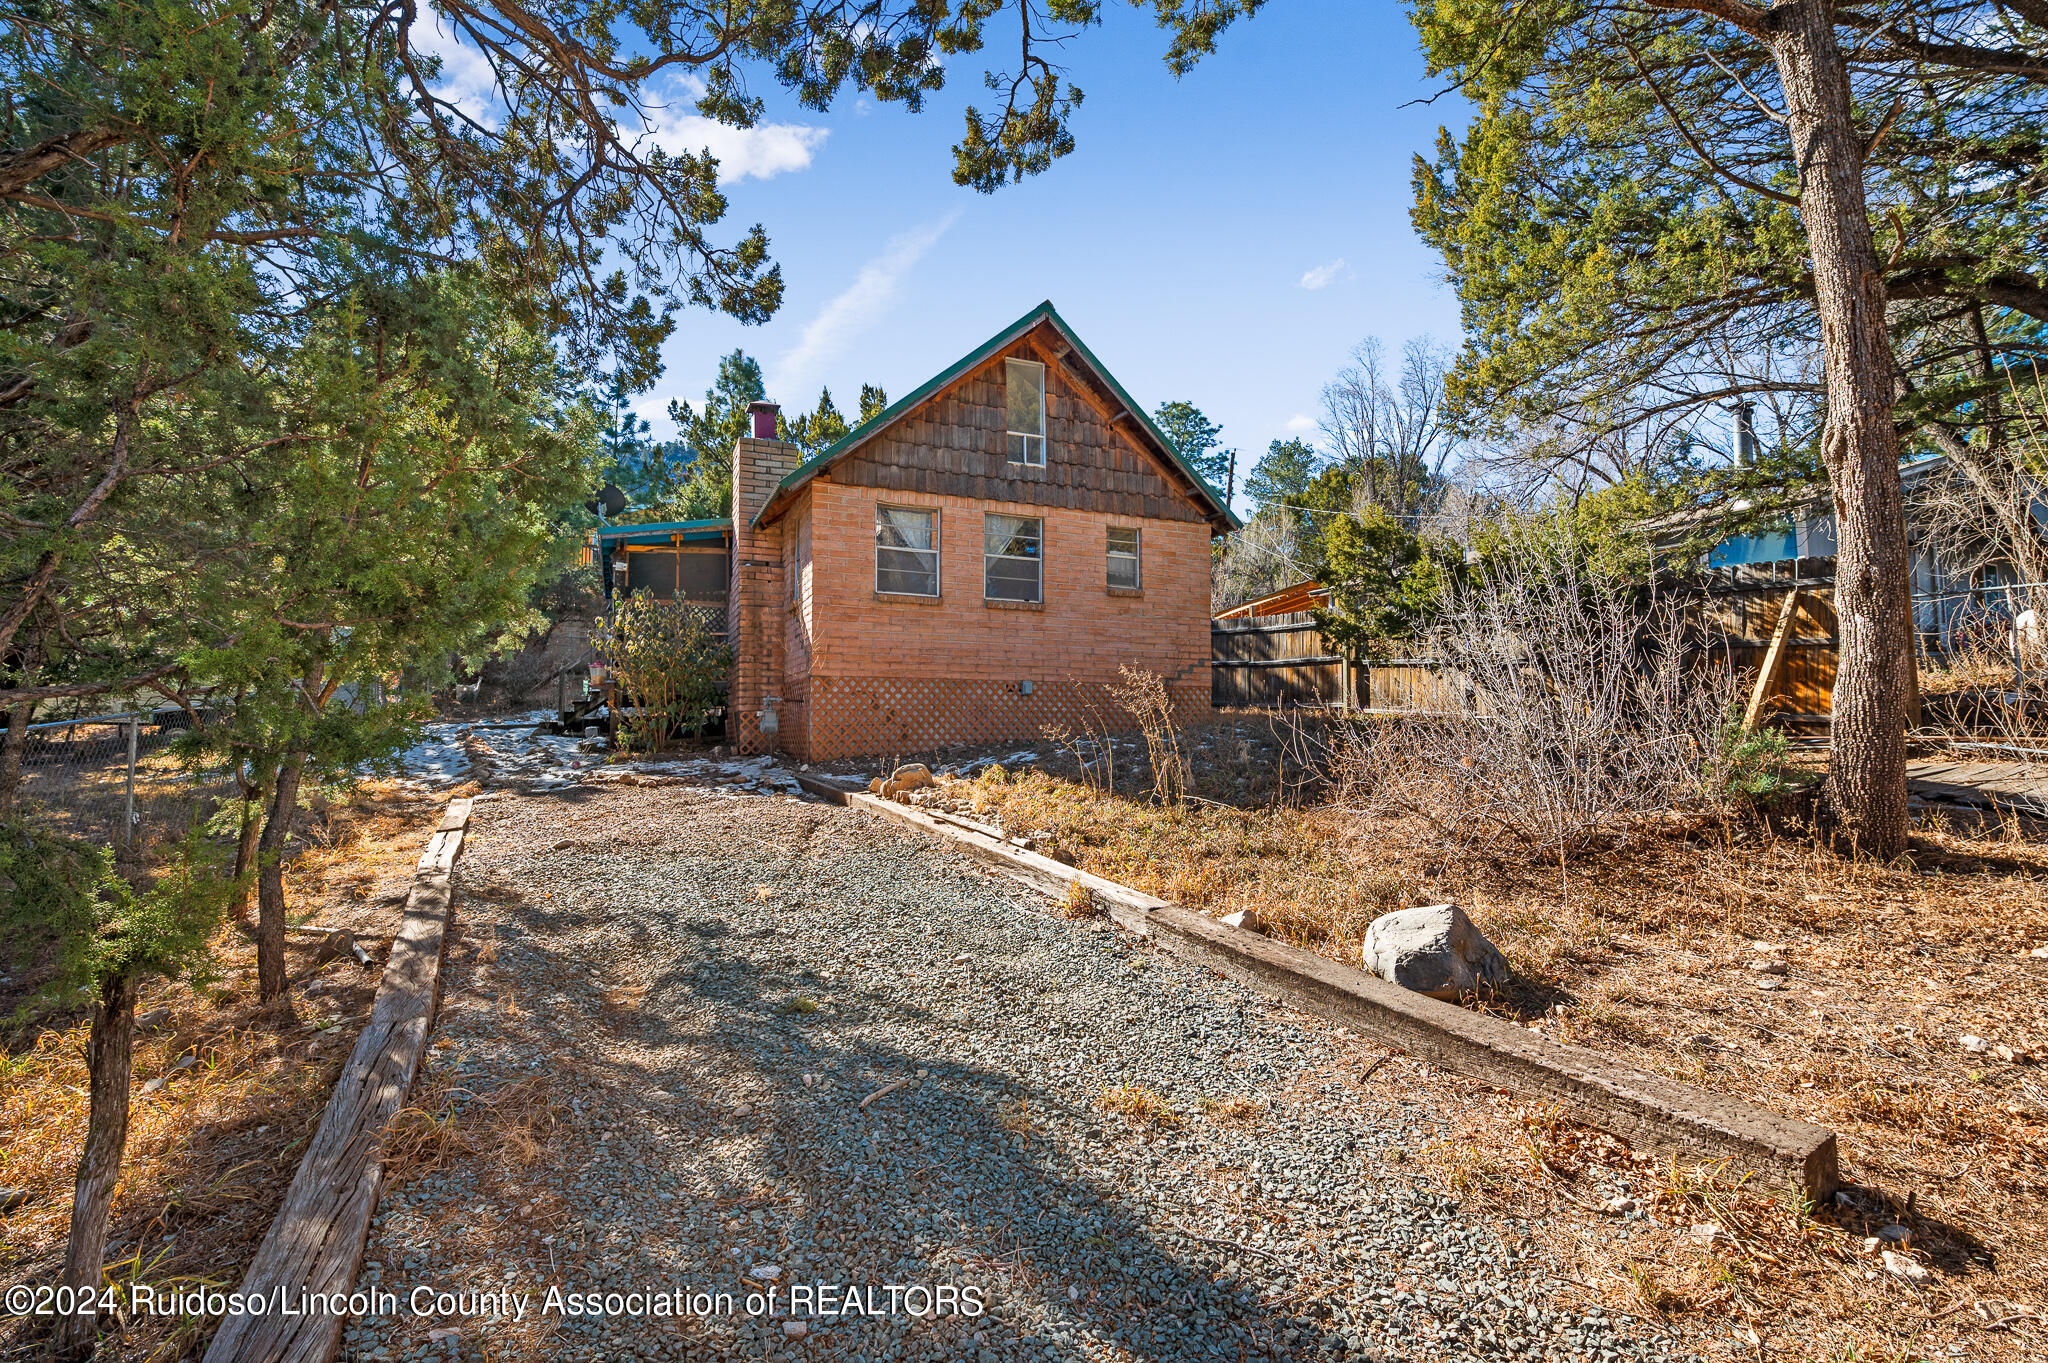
point(2003, 785)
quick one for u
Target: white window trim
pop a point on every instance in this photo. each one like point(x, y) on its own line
point(937, 551)
point(1136, 556)
point(1044, 417)
point(1038, 600)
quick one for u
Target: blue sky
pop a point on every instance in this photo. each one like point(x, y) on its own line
point(1225, 238)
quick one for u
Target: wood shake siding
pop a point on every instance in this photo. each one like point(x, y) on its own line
point(954, 446)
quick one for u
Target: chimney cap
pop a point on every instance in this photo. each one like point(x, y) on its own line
point(762, 414)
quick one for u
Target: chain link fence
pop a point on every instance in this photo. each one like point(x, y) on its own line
point(113, 780)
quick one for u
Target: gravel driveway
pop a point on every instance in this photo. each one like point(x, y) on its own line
point(786, 1046)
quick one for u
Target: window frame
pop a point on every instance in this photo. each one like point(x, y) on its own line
point(1136, 556)
point(988, 558)
point(1024, 457)
point(936, 551)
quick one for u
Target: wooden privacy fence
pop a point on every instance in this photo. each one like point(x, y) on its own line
point(1283, 662)
point(1780, 645)
point(1274, 660)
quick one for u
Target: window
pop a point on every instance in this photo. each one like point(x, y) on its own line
point(1026, 383)
point(1123, 558)
point(906, 551)
point(1012, 569)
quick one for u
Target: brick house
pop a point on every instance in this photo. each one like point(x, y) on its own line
point(969, 566)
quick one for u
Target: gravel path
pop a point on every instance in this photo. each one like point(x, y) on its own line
point(786, 1045)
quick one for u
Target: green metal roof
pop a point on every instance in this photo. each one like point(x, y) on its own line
point(660, 532)
point(1044, 312)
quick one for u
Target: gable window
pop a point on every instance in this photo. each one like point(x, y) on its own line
point(1012, 569)
point(1025, 382)
point(906, 551)
point(1123, 558)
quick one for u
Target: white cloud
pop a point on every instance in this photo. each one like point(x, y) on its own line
point(1298, 424)
point(841, 321)
point(1323, 275)
point(759, 152)
point(466, 80)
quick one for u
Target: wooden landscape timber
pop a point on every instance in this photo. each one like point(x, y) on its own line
point(316, 1243)
point(1645, 1109)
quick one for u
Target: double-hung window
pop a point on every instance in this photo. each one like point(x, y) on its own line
point(1025, 384)
point(1123, 558)
point(906, 551)
point(1013, 569)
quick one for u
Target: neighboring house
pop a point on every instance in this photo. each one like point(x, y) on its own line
point(1955, 603)
point(970, 566)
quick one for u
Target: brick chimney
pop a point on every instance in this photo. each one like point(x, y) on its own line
point(756, 591)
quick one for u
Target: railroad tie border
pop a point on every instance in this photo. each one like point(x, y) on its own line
point(1647, 1110)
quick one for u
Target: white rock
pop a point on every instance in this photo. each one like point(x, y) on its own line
point(795, 1329)
point(1707, 1233)
point(1905, 1269)
point(1975, 1045)
point(1768, 967)
point(2039, 953)
point(766, 1273)
point(1769, 982)
point(1766, 946)
point(1247, 919)
point(1434, 950)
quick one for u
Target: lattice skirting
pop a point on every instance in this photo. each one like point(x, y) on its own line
point(870, 716)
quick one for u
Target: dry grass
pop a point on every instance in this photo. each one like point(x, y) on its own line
point(1644, 955)
point(507, 1130)
point(210, 1152)
point(1079, 905)
point(1135, 1102)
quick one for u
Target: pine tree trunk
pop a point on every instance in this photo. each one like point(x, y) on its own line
point(11, 748)
point(277, 829)
point(1874, 688)
point(263, 773)
point(110, 1059)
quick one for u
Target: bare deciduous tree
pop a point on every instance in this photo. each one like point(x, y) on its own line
point(1393, 430)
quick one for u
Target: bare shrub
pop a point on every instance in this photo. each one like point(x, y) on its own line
point(1580, 713)
point(1143, 696)
point(1092, 746)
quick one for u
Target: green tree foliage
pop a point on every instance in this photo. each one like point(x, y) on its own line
point(650, 472)
point(432, 439)
point(107, 937)
point(873, 401)
point(1623, 218)
point(1199, 443)
point(1283, 473)
point(709, 434)
point(819, 429)
point(1384, 581)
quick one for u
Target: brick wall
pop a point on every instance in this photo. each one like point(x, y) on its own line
point(897, 675)
point(756, 593)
